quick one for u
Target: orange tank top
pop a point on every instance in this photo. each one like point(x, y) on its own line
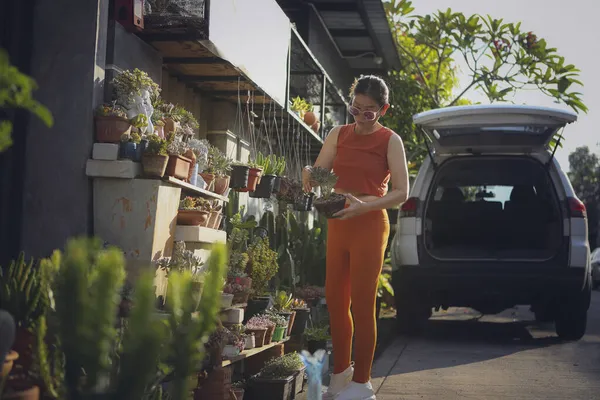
point(361, 161)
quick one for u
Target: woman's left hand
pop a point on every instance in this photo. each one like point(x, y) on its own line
point(356, 208)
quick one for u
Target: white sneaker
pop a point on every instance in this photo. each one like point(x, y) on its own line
point(357, 391)
point(338, 382)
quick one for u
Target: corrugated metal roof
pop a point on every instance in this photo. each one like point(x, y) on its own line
point(342, 20)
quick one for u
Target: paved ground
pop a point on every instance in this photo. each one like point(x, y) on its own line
point(507, 356)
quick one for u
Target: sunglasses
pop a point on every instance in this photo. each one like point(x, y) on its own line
point(367, 115)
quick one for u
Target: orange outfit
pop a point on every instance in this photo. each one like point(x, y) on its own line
point(356, 251)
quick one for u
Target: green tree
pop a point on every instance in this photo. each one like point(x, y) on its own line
point(16, 92)
point(584, 175)
point(501, 60)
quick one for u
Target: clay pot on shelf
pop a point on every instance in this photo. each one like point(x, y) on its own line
point(170, 126)
point(179, 167)
point(254, 176)
point(159, 130)
point(315, 127)
point(221, 184)
point(192, 217)
point(208, 178)
point(110, 129)
point(154, 165)
point(310, 118)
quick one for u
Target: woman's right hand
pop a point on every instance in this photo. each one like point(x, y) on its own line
point(306, 181)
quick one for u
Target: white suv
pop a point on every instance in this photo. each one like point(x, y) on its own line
point(492, 221)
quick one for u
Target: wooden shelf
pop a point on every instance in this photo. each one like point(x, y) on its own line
point(249, 353)
point(195, 189)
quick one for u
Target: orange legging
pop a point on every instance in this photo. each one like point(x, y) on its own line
point(355, 254)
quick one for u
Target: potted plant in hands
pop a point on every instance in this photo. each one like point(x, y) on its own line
point(329, 202)
point(111, 123)
point(280, 378)
point(264, 188)
point(155, 158)
point(193, 211)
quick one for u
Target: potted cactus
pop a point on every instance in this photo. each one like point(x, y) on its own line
point(155, 158)
point(329, 202)
point(264, 188)
point(280, 165)
point(111, 123)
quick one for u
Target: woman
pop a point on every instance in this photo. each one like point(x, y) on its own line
point(364, 155)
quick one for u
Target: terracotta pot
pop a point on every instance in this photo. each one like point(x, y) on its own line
point(154, 165)
point(193, 170)
point(259, 336)
point(179, 167)
point(221, 184)
point(315, 127)
point(8, 363)
point(291, 323)
point(170, 126)
point(269, 334)
point(253, 179)
point(208, 178)
point(110, 129)
point(160, 131)
point(32, 393)
point(310, 118)
point(192, 217)
point(217, 224)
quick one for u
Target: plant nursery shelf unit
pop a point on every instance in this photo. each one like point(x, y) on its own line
point(197, 64)
point(199, 234)
point(194, 189)
point(252, 352)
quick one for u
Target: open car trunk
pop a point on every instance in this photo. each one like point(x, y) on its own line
point(492, 208)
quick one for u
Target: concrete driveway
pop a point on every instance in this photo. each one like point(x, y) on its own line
point(507, 356)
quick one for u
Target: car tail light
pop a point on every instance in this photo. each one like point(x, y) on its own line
point(576, 208)
point(409, 208)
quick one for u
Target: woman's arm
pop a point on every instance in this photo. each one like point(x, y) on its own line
point(399, 177)
point(325, 158)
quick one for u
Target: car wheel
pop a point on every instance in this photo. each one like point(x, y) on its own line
point(571, 319)
point(412, 312)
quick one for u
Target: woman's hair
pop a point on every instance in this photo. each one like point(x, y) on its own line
point(372, 86)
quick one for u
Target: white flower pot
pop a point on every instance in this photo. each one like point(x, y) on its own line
point(226, 299)
point(250, 341)
point(230, 351)
point(233, 316)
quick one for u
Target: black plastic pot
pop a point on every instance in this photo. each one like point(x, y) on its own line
point(128, 150)
point(304, 202)
point(264, 189)
point(277, 185)
point(314, 345)
point(302, 317)
point(256, 306)
point(239, 176)
point(276, 389)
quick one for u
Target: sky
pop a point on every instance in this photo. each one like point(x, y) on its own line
point(572, 28)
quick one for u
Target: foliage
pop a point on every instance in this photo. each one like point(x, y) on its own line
point(501, 61)
point(308, 249)
point(238, 285)
point(263, 265)
point(259, 322)
point(324, 178)
point(16, 92)
point(156, 145)
point(584, 175)
point(384, 285)
point(283, 301)
point(139, 121)
point(194, 203)
point(301, 105)
point(176, 147)
point(217, 163)
point(299, 304)
point(129, 84)
point(132, 137)
point(185, 117)
point(200, 149)
point(317, 333)
point(111, 110)
point(282, 367)
point(183, 260)
point(22, 292)
point(277, 319)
